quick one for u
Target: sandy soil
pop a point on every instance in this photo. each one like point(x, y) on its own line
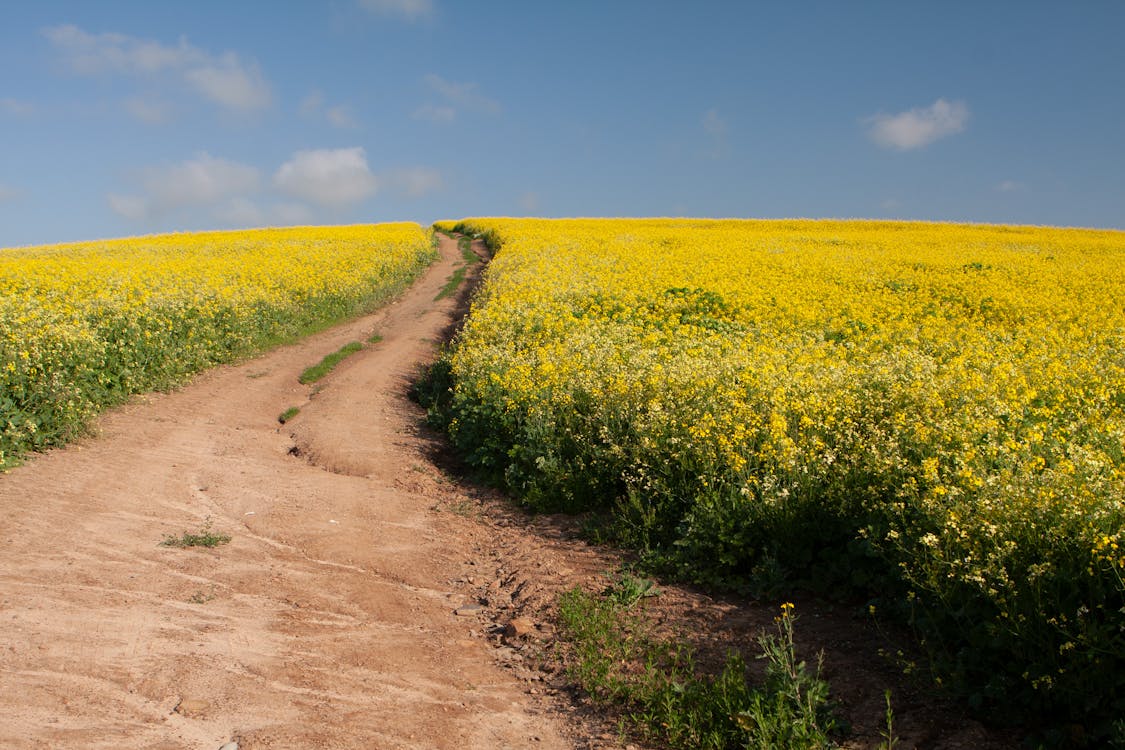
point(364, 597)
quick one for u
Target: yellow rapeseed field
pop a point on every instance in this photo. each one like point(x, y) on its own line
point(86, 324)
point(932, 415)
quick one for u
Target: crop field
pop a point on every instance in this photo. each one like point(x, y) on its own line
point(86, 325)
point(929, 418)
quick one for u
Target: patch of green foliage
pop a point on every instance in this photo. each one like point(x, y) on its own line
point(326, 365)
point(666, 697)
point(205, 538)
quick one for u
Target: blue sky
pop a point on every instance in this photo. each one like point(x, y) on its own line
point(124, 118)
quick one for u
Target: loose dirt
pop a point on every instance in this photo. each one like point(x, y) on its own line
point(363, 599)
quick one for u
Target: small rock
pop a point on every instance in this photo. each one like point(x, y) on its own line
point(468, 610)
point(519, 627)
point(191, 707)
point(230, 746)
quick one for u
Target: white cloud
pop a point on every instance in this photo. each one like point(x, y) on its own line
point(16, 107)
point(416, 182)
point(1010, 186)
point(148, 110)
point(223, 79)
point(435, 113)
point(199, 181)
point(241, 211)
point(462, 94)
point(290, 214)
point(132, 207)
point(327, 177)
point(340, 117)
point(918, 127)
point(231, 84)
point(411, 10)
point(204, 181)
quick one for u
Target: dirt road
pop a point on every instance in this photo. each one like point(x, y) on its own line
point(329, 619)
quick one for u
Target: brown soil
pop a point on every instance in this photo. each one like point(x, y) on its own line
point(362, 600)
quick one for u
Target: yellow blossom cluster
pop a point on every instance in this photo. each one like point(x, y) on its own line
point(931, 409)
point(86, 324)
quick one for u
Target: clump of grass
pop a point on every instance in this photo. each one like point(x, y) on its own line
point(451, 285)
point(326, 365)
point(465, 244)
point(374, 338)
point(288, 414)
point(666, 697)
point(205, 538)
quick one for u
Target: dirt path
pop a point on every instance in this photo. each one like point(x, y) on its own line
point(329, 619)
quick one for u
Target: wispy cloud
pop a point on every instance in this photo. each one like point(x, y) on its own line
point(918, 127)
point(455, 97)
point(317, 183)
point(1010, 186)
point(416, 182)
point(148, 110)
point(333, 178)
point(16, 107)
point(232, 84)
point(410, 10)
point(223, 79)
point(435, 113)
point(339, 116)
point(205, 181)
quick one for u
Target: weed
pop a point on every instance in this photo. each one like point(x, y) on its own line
point(465, 245)
point(629, 589)
point(451, 285)
point(889, 740)
point(664, 695)
point(288, 414)
point(205, 538)
point(792, 710)
point(326, 365)
point(199, 597)
point(374, 338)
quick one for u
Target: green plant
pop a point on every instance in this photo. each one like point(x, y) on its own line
point(201, 597)
point(890, 741)
point(666, 696)
point(374, 338)
point(288, 414)
point(792, 710)
point(465, 245)
point(451, 285)
point(205, 538)
point(326, 365)
point(628, 589)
